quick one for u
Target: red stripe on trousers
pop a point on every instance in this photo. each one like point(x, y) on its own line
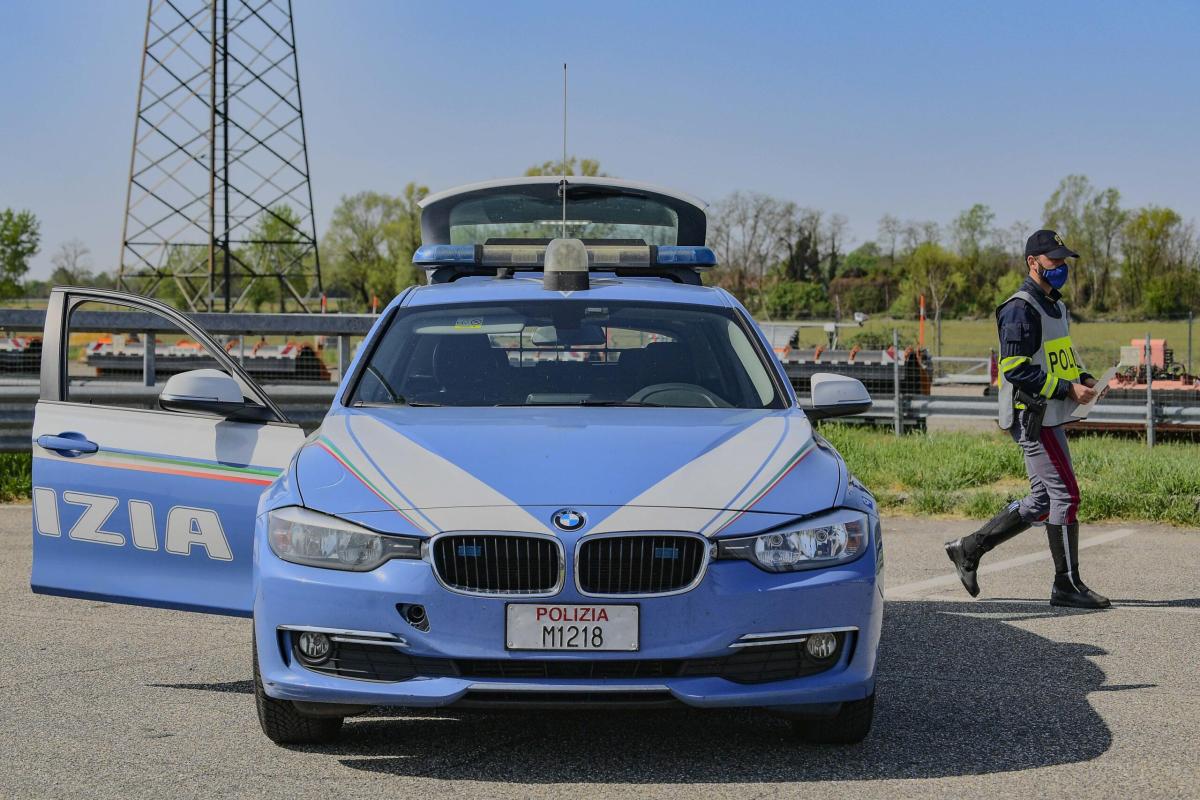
point(1063, 464)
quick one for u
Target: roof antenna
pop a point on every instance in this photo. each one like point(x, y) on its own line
point(563, 185)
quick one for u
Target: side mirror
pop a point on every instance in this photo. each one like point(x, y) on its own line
point(210, 391)
point(836, 396)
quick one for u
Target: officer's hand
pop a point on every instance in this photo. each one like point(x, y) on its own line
point(1082, 394)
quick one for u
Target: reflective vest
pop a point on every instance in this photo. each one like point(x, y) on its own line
point(1056, 357)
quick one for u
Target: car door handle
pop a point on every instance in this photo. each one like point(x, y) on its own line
point(69, 442)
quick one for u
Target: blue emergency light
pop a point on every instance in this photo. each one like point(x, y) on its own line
point(685, 256)
point(527, 256)
point(438, 255)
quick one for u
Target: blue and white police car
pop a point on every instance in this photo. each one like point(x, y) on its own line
point(562, 473)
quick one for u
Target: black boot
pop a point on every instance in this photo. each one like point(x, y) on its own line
point(1069, 589)
point(966, 552)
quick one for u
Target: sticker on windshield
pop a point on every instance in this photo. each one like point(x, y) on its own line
point(468, 324)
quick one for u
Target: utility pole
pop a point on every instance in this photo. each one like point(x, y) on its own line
point(219, 201)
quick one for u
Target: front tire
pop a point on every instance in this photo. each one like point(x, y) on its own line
point(283, 724)
point(850, 725)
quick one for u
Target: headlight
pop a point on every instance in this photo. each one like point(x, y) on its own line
point(319, 540)
point(835, 539)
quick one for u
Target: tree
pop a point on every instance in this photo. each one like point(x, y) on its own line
point(937, 273)
point(834, 233)
point(1012, 241)
point(793, 300)
point(1173, 293)
point(1090, 221)
point(916, 233)
point(20, 237)
point(588, 167)
point(356, 246)
point(981, 250)
point(279, 249)
point(72, 264)
point(802, 238)
point(370, 243)
point(750, 231)
point(971, 229)
point(404, 234)
point(889, 233)
point(1103, 218)
point(1063, 213)
point(1147, 244)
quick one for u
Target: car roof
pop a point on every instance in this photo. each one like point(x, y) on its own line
point(604, 287)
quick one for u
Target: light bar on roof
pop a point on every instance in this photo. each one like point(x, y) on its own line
point(686, 256)
point(443, 255)
point(601, 257)
point(513, 256)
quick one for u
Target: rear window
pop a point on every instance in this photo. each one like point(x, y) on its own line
point(516, 216)
point(567, 352)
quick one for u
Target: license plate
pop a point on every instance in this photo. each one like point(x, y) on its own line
point(571, 627)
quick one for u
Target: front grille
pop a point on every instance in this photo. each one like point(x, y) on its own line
point(639, 563)
point(491, 563)
point(370, 662)
point(477, 698)
point(591, 670)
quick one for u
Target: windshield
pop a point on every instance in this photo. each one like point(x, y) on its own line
point(567, 352)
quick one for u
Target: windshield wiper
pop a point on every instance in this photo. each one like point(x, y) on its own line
point(587, 403)
point(399, 401)
point(624, 403)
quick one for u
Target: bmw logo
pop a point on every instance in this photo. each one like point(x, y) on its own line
point(567, 519)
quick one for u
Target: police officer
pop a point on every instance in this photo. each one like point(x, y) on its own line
point(1041, 382)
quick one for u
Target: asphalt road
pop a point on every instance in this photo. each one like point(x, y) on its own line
point(1001, 697)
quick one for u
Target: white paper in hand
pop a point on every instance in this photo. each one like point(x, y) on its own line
point(1081, 411)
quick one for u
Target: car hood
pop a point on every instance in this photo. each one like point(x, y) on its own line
point(428, 470)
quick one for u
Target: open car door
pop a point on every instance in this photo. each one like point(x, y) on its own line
point(135, 503)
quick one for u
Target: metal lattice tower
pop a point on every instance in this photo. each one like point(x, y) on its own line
point(219, 211)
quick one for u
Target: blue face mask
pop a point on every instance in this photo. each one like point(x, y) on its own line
point(1056, 277)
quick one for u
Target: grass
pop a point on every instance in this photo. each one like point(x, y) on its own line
point(974, 474)
point(15, 480)
point(963, 474)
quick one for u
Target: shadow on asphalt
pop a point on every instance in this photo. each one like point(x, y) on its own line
point(962, 691)
point(228, 687)
point(1118, 602)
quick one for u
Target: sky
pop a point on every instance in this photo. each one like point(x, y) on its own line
point(917, 109)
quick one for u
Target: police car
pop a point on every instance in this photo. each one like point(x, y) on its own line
point(562, 473)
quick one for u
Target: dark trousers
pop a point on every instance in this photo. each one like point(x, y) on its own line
point(1053, 492)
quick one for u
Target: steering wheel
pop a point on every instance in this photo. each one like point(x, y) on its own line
point(678, 394)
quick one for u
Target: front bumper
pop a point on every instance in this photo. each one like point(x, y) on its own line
point(734, 599)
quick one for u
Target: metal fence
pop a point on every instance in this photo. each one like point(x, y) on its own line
point(1151, 392)
point(129, 375)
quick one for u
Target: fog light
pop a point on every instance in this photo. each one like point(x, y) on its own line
point(821, 645)
point(315, 647)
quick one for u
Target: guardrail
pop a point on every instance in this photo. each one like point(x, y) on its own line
point(341, 327)
point(973, 370)
point(306, 405)
point(916, 409)
point(34, 319)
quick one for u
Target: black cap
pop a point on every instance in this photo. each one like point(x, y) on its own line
point(1049, 244)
